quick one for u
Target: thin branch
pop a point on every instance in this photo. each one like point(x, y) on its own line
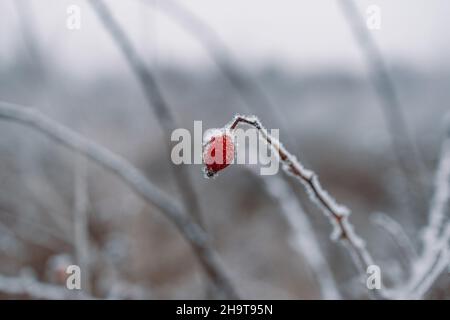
point(253, 97)
point(403, 146)
point(20, 286)
point(439, 210)
point(191, 231)
point(24, 9)
point(247, 89)
point(396, 232)
point(337, 214)
point(154, 98)
point(436, 234)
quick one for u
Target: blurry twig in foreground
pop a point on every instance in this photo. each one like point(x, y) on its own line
point(405, 149)
point(191, 231)
point(22, 286)
point(337, 214)
point(155, 100)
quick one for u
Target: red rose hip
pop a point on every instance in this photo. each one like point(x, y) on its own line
point(218, 153)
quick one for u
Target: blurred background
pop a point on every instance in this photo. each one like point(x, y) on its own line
point(299, 66)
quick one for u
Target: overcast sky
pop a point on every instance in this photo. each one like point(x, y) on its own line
point(293, 33)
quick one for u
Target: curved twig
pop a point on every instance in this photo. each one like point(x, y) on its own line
point(436, 234)
point(398, 235)
point(191, 231)
point(247, 88)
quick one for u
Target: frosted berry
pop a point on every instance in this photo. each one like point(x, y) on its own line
point(218, 153)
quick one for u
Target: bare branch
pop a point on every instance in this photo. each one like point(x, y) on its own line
point(81, 220)
point(28, 29)
point(154, 98)
point(303, 239)
point(436, 235)
point(191, 231)
point(247, 89)
point(254, 97)
point(44, 235)
point(398, 235)
point(430, 266)
point(12, 241)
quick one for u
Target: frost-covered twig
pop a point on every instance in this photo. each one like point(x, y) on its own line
point(30, 288)
point(436, 234)
point(430, 266)
point(13, 240)
point(191, 231)
point(303, 239)
point(398, 235)
point(28, 29)
point(403, 145)
point(154, 98)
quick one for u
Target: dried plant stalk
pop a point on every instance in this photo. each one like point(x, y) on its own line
point(435, 255)
point(81, 221)
point(337, 214)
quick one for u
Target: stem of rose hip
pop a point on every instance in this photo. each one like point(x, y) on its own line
point(337, 214)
